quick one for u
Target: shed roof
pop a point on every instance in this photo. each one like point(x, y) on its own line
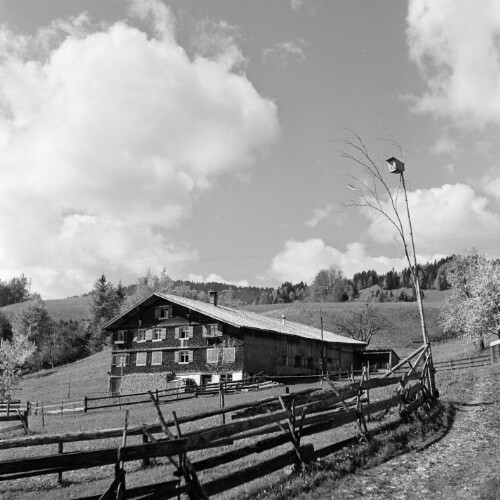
point(246, 319)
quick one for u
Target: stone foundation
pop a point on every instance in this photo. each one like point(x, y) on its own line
point(143, 382)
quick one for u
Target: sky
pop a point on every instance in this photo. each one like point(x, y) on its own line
point(205, 137)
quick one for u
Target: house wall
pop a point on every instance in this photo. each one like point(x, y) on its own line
point(276, 354)
point(256, 351)
point(170, 346)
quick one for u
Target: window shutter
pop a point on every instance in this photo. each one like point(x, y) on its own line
point(176, 356)
point(164, 334)
point(157, 312)
point(204, 331)
point(211, 356)
point(177, 332)
point(219, 330)
point(149, 334)
point(190, 356)
point(190, 332)
point(228, 354)
point(135, 335)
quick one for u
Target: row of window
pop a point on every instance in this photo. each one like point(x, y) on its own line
point(215, 355)
point(296, 361)
point(158, 334)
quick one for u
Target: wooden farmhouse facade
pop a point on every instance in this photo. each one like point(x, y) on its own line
point(167, 337)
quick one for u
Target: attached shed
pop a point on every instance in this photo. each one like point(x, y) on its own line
point(378, 358)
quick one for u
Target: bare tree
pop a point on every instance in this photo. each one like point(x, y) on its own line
point(362, 324)
point(372, 192)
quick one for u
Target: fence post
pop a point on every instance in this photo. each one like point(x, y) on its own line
point(451, 365)
point(222, 402)
point(146, 462)
point(59, 450)
point(85, 407)
point(43, 418)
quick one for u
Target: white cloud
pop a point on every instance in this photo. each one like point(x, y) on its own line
point(301, 260)
point(215, 278)
point(285, 52)
point(445, 219)
point(456, 46)
point(490, 182)
point(105, 140)
point(327, 213)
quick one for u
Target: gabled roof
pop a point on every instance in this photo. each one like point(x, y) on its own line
point(246, 319)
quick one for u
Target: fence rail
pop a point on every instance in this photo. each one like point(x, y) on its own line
point(288, 418)
point(458, 364)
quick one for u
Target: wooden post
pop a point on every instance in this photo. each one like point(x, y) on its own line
point(120, 490)
point(146, 462)
point(43, 418)
point(368, 394)
point(294, 438)
point(85, 406)
point(222, 402)
point(451, 365)
point(191, 475)
point(8, 406)
point(69, 390)
point(59, 450)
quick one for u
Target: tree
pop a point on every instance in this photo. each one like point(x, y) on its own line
point(13, 358)
point(222, 356)
point(5, 328)
point(473, 306)
point(362, 324)
point(331, 285)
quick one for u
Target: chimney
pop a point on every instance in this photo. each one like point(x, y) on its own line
point(213, 297)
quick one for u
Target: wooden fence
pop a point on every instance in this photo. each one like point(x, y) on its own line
point(11, 411)
point(459, 364)
point(269, 422)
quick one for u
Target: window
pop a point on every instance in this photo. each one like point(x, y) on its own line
point(184, 332)
point(157, 334)
point(298, 362)
point(226, 377)
point(310, 363)
point(141, 335)
point(120, 336)
point(163, 312)
point(282, 360)
point(120, 359)
point(184, 357)
point(156, 357)
point(140, 359)
point(212, 330)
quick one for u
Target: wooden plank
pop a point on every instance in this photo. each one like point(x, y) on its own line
point(168, 489)
point(401, 363)
point(203, 439)
point(87, 459)
point(256, 471)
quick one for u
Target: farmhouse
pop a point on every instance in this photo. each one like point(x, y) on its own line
point(167, 337)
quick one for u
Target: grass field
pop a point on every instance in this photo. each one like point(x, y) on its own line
point(72, 308)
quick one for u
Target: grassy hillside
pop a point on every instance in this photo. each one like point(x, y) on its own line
point(75, 308)
point(403, 316)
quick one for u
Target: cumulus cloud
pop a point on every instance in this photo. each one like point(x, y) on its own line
point(285, 52)
point(301, 260)
point(456, 47)
point(105, 138)
point(440, 216)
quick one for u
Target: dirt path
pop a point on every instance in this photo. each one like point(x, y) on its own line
point(464, 464)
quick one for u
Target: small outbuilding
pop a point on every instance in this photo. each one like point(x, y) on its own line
point(377, 358)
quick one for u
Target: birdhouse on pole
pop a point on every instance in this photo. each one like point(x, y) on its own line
point(395, 166)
